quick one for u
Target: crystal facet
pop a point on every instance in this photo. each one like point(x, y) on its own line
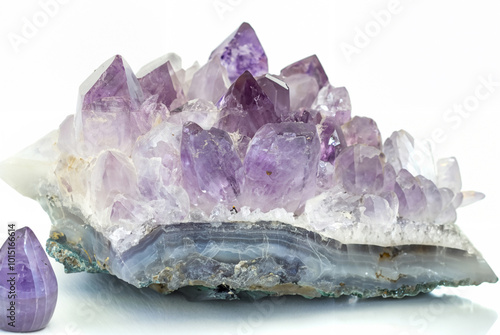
point(310, 66)
point(210, 82)
point(245, 108)
point(210, 167)
point(278, 165)
point(107, 99)
point(362, 130)
point(158, 78)
point(277, 91)
point(28, 285)
point(241, 52)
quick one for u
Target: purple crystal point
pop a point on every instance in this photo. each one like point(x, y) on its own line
point(210, 82)
point(412, 201)
point(310, 66)
point(280, 167)
point(277, 91)
point(433, 198)
point(362, 130)
point(449, 174)
point(241, 52)
point(330, 140)
point(303, 91)
point(112, 79)
point(151, 113)
point(210, 167)
point(156, 79)
point(404, 152)
point(305, 78)
point(156, 157)
point(26, 271)
point(202, 112)
point(334, 102)
point(360, 169)
point(245, 107)
point(113, 174)
point(107, 99)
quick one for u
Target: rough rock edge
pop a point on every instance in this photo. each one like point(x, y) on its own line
point(76, 259)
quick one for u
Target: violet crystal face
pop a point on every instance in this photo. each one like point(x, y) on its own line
point(28, 285)
point(227, 182)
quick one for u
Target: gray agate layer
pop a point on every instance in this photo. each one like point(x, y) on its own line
point(226, 182)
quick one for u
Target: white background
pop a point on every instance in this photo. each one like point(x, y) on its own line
point(426, 59)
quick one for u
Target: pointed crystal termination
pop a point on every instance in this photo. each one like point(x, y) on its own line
point(210, 82)
point(305, 78)
point(107, 99)
point(280, 167)
point(404, 152)
point(310, 66)
point(449, 174)
point(245, 107)
point(241, 52)
point(113, 79)
point(113, 173)
point(277, 91)
point(156, 78)
point(333, 102)
point(200, 111)
point(360, 169)
point(330, 140)
point(28, 274)
point(151, 113)
point(210, 166)
point(333, 106)
point(362, 130)
point(412, 201)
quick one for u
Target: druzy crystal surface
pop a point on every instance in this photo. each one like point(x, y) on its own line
point(225, 181)
point(28, 285)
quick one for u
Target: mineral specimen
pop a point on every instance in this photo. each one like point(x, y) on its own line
point(28, 285)
point(228, 182)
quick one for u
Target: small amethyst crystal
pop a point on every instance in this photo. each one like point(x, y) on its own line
point(241, 52)
point(158, 78)
point(28, 285)
point(227, 182)
point(210, 167)
point(245, 107)
point(278, 165)
point(310, 66)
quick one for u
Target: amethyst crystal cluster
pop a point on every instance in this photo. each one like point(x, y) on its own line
point(228, 175)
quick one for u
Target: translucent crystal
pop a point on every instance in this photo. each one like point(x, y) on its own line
point(360, 169)
point(158, 78)
point(403, 152)
point(278, 165)
point(310, 66)
point(448, 174)
point(240, 52)
point(277, 91)
point(245, 108)
point(362, 130)
point(333, 102)
point(210, 82)
point(210, 167)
